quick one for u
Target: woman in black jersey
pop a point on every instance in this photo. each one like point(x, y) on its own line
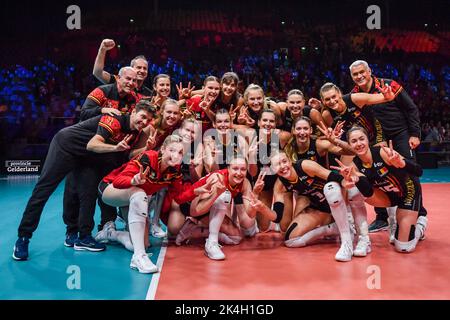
point(391, 176)
point(294, 108)
point(322, 187)
point(351, 108)
point(268, 139)
point(254, 103)
point(303, 146)
point(222, 143)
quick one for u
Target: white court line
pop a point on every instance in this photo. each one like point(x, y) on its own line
point(155, 277)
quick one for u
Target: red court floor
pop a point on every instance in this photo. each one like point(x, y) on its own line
point(262, 268)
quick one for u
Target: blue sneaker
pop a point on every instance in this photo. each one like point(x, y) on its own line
point(89, 243)
point(21, 249)
point(71, 238)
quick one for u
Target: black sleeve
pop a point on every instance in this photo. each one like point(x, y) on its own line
point(90, 109)
point(411, 112)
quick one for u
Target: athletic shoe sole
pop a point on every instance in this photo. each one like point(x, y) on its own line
point(16, 258)
point(216, 259)
point(379, 229)
point(88, 249)
point(134, 267)
point(68, 245)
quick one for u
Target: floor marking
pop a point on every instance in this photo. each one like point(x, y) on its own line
point(155, 278)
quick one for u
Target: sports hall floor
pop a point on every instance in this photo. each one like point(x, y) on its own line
point(261, 268)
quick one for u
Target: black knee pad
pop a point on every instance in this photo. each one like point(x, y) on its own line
point(289, 230)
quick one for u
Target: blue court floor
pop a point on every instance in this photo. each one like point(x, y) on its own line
point(54, 272)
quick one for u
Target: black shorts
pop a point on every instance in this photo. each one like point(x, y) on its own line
point(411, 200)
point(185, 209)
point(101, 188)
point(321, 206)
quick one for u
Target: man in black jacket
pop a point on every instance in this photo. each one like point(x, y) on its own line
point(400, 122)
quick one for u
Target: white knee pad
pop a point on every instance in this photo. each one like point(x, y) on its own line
point(405, 247)
point(355, 197)
point(138, 208)
point(222, 203)
point(333, 193)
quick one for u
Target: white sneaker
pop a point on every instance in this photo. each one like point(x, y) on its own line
point(185, 232)
point(421, 226)
point(345, 252)
point(104, 235)
point(392, 227)
point(213, 251)
point(157, 231)
point(363, 247)
point(143, 264)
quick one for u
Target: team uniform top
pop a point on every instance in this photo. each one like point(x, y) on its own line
point(312, 187)
point(263, 155)
point(353, 115)
point(235, 191)
point(155, 181)
point(398, 115)
point(397, 183)
point(199, 113)
point(107, 96)
point(113, 129)
point(312, 154)
point(288, 120)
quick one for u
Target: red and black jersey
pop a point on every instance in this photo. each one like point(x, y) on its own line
point(397, 183)
point(107, 96)
point(113, 129)
point(199, 113)
point(363, 117)
point(311, 187)
point(312, 154)
point(156, 180)
point(223, 172)
point(398, 115)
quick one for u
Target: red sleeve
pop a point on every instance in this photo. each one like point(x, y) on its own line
point(98, 96)
point(184, 192)
point(123, 180)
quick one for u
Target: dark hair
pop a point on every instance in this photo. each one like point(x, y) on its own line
point(267, 110)
point(229, 77)
point(138, 58)
point(145, 104)
point(356, 128)
point(221, 111)
point(328, 86)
